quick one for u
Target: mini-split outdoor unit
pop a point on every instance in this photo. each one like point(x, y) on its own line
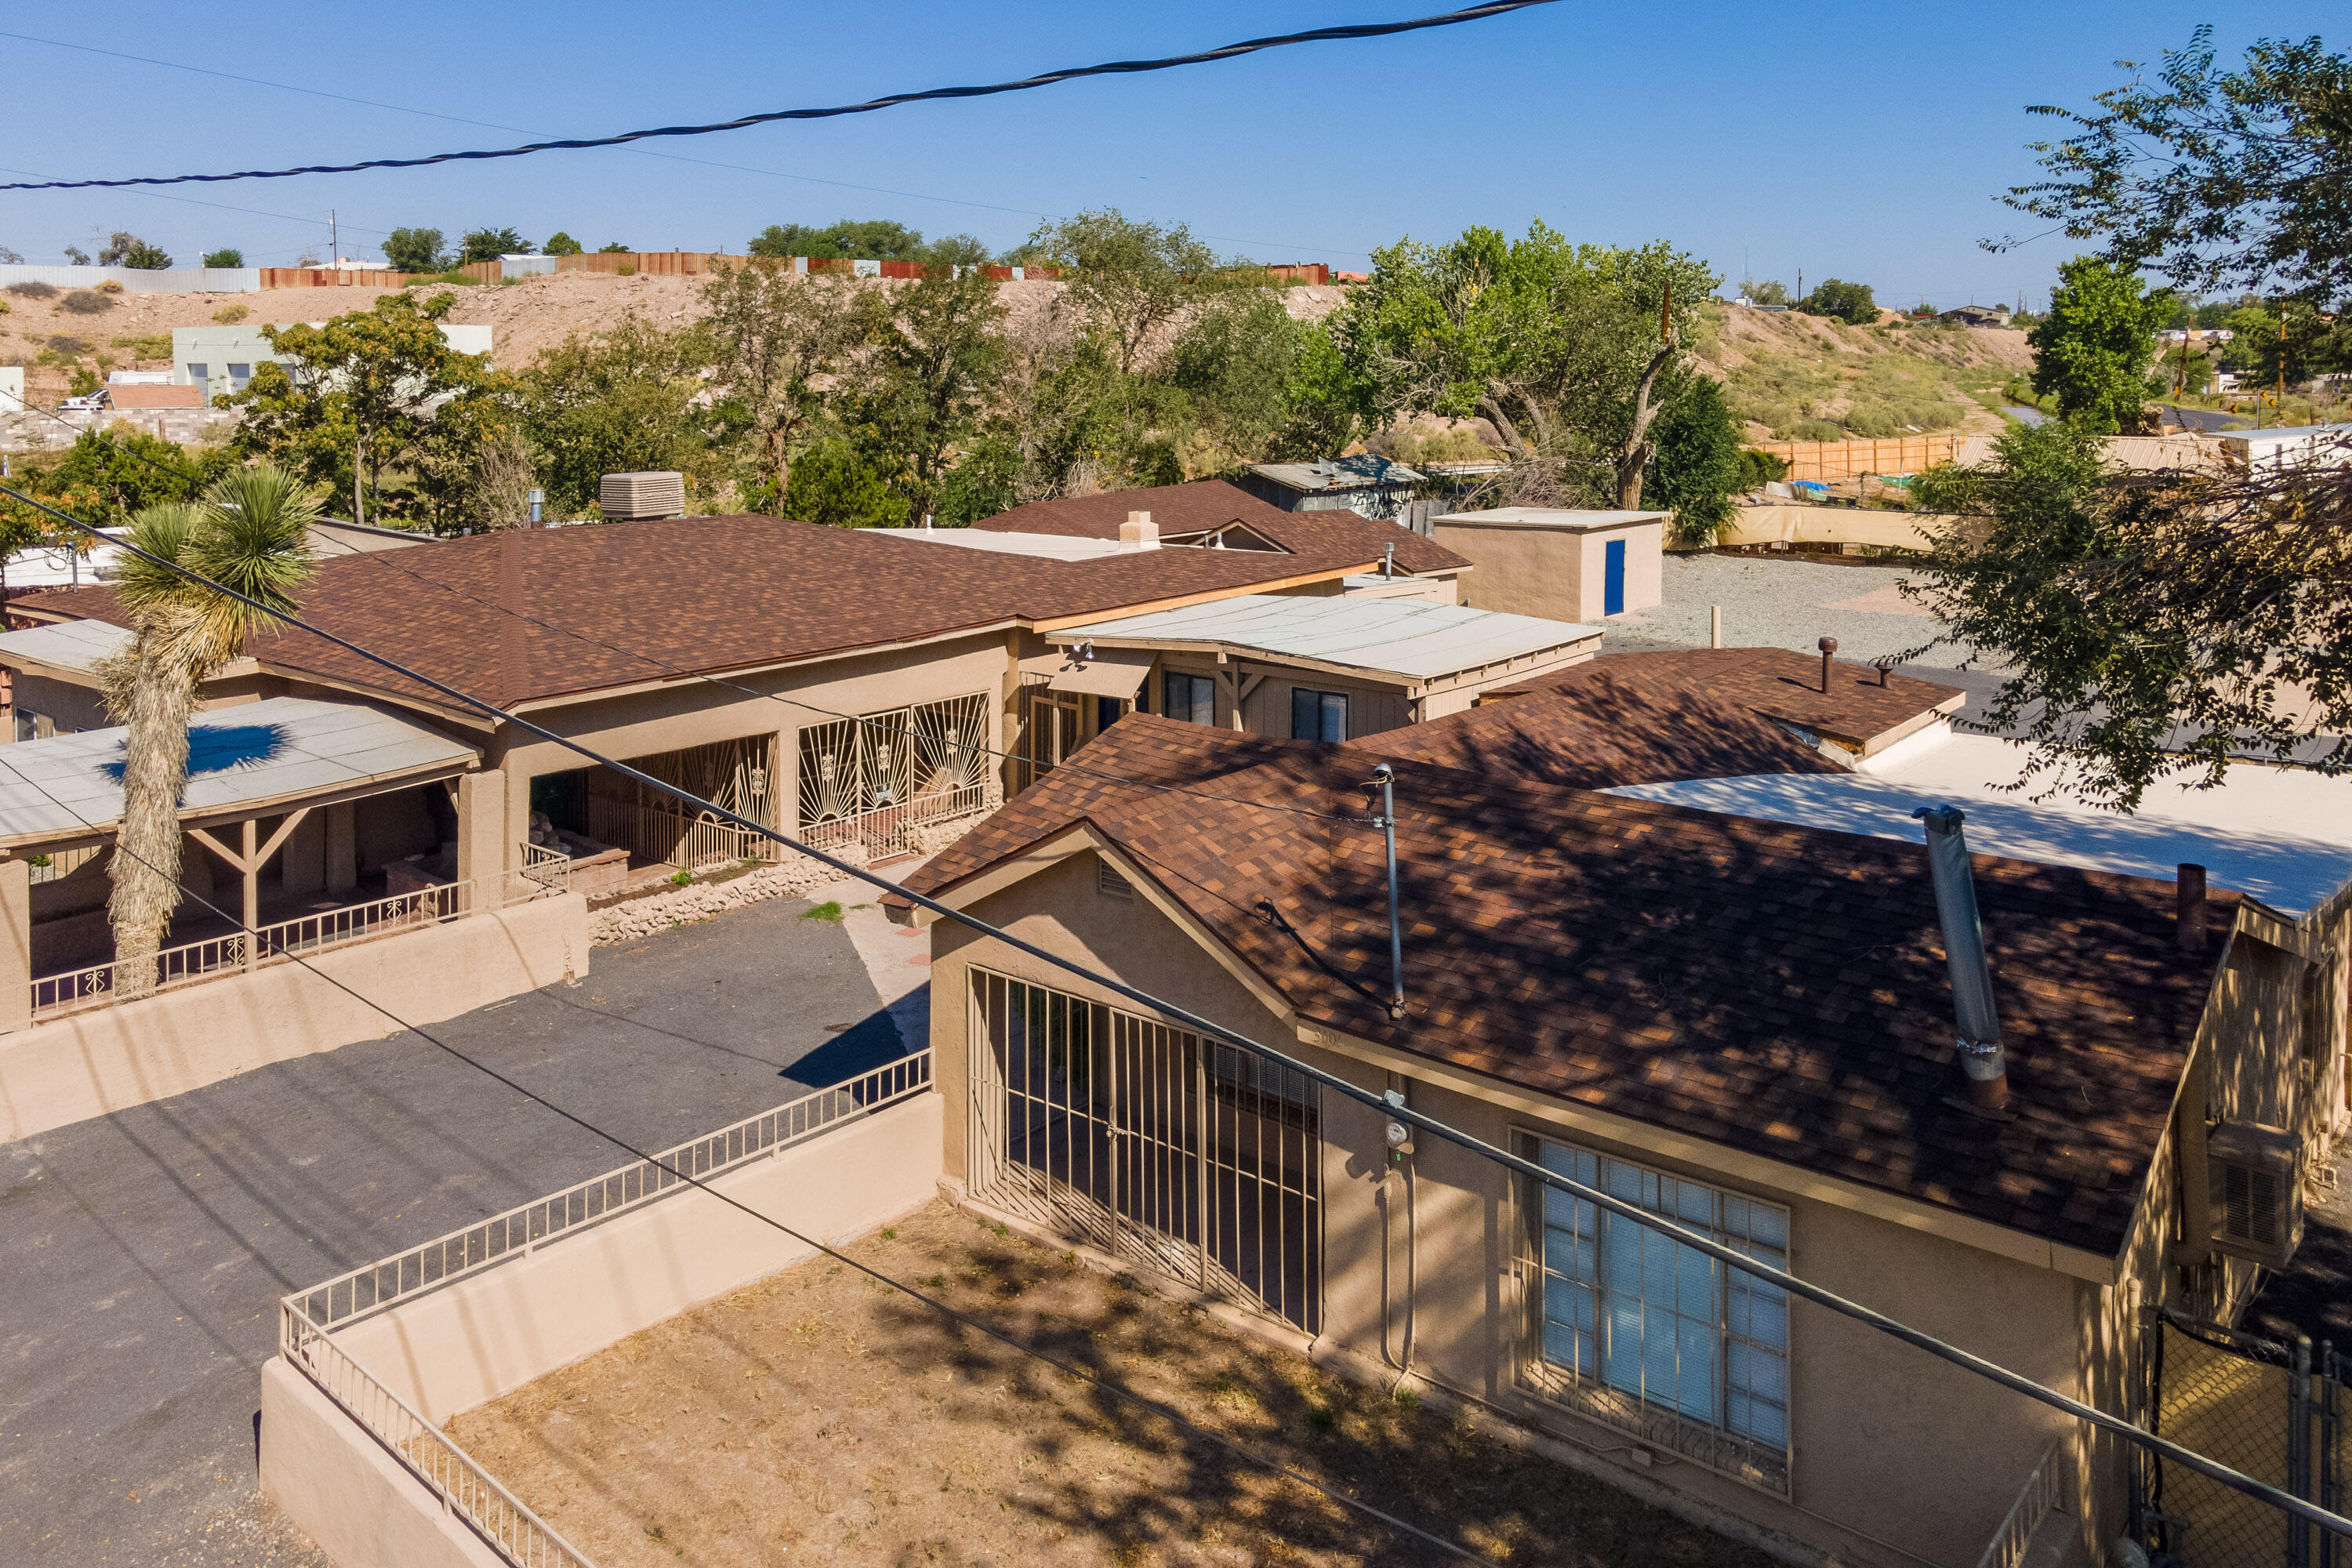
point(2256, 1183)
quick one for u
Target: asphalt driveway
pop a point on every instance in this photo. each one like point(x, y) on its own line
point(142, 1255)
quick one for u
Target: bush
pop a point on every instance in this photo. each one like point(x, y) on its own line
point(147, 345)
point(1839, 301)
point(62, 344)
point(230, 315)
point(1757, 469)
point(626, 269)
point(831, 484)
point(109, 286)
point(34, 291)
point(146, 258)
point(86, 302)
point(231, 256)
point(1818, 430)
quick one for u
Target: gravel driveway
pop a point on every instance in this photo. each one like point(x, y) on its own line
point(1787, 604)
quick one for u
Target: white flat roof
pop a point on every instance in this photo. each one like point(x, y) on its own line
point(65, 645)
point(2282, 836)
point(1409, 637)
point(277, 750)
point(1570, 518)
point(1051, 546)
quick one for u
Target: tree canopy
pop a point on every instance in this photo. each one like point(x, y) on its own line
point(2093, 350)
point(1852, 303)
point(415, 250)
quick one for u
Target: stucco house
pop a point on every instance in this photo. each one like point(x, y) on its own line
point(1571, 564)
point(1720, 1015)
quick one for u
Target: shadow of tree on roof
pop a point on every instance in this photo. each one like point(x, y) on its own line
point(220, 749)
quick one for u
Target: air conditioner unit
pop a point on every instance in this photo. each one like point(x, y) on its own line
point(2257, 1182)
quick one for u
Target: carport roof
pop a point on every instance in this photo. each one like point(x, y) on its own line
point(1411, 638)
point(76, 645)
point(245, 761)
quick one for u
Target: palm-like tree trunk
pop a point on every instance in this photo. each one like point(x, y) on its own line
point(155, 695)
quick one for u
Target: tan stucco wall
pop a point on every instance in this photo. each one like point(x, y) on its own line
point(90, 1064)
point(1895, 1456)
point(350, 1497)
point(673, 718)
point(1797, 523)
point(70, 707)
point(456, 1348)
point(1557, 574)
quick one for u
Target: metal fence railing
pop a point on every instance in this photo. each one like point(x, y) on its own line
point(391, 1280)
point(101, 984)
point(2040, 1494)
point(502, 1519)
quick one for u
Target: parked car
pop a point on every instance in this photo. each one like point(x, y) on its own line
point(89, 403)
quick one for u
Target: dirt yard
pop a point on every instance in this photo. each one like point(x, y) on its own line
point(821, 1418)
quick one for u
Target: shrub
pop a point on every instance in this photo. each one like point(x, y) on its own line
point(147, 345)
point(146, 258)
point(87, 302)
point(1759, 469)
point(230, 315)
point(231, 256)
point(109, 286)
point(63, 344)
point(34, 291)
point(626, 269)
point(1818, 430)
point(832, 484)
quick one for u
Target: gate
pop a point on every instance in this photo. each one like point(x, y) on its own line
point(2271, 1411)
point(1196, 1160)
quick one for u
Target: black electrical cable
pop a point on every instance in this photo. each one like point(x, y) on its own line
point(1091, 1379)
point(1706, 1245)
point(1112, 67)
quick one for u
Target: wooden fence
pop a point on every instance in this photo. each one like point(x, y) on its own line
point(694, 263)
point(1846, 459)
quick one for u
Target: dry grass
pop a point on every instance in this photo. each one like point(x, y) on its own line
point(820, 1419)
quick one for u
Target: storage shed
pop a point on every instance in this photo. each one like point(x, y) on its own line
point(1564, 564)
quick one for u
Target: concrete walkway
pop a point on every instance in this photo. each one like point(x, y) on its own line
point(145, 1251)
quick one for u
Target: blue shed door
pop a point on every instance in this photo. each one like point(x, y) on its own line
point(1613, 578)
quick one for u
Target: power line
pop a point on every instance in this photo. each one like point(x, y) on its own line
point(1706, 1245)
point(1113, 68)
point(1091, 1379)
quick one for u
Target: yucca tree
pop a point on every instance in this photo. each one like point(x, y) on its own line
point(249, 532)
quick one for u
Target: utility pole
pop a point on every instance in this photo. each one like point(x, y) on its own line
point(334, 240)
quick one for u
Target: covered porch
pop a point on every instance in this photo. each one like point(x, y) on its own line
point(306, 825)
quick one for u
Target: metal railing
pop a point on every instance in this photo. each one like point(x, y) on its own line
point(465, 1489)
point(306, 1318)
point(518, 1231)
point(100, 984)
point(550, 869)
point(2041, 1496)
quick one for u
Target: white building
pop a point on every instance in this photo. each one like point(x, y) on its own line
point(221, 359)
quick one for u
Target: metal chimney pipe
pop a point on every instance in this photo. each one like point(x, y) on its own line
point(1982, 1060)
point(2188, 908)
point(1828, 647)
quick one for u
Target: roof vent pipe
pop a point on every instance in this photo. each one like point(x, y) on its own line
point(2188, 908)
point(1385, 777)
point(1981, 1057)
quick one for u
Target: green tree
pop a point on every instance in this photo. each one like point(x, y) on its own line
point(2093, 350)
point(622, 401)
point(357, 396)
point(927, 377)
point(1766, 293)
point(984, 481)
point(957, 250)
point(1132, 279)
point(562, 244)
point(832, 484)
point(777, 339)
point(490, 244)
point(614, 248)
point(1839, 301)
point(870, 239)
point(250, 534)
point(2216, 180)
point(415, 250)
point(1261, 386)
point(1697, 468)
point(227, 257)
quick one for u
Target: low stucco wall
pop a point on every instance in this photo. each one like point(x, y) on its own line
point(488, 1336)
point(1794, 524)
point(92, 1064)
point(357, 1502)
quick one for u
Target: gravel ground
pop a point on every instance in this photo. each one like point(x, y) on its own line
point(1787, 604)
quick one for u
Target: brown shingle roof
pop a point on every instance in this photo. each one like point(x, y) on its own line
point(1778, 684)
point(1619, 725)
point(1772, 989)
point(1203, 504)
point(694, 595)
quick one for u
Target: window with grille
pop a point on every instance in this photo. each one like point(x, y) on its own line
point(1317, 715)
point(1190, 697)
point(1642, 1331)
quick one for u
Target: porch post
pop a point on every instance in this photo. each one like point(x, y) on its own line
point(15, 943)
point(482, 837)
point(343, 847)
point(250, 842)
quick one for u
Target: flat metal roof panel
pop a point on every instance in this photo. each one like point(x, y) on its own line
point(65, 645)
point(1409, 637)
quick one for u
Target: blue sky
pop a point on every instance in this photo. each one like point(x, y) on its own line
point(1859, 141)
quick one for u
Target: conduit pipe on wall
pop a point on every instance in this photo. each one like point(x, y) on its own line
point(1982, 1061)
